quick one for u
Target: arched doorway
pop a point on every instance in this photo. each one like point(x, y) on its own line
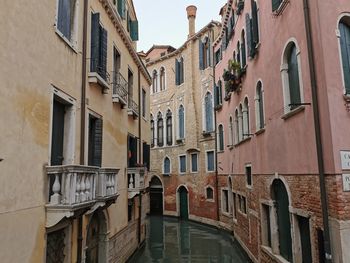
point(280, 195)
point(156, 196)
point(96, 239)
point(183, 201)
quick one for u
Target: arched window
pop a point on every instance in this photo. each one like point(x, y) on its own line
point(344, 30)
point(160, 129)
point(210, 193)
point(238, 55)
point(152, 131)
point(221, 137)
point(179, 71)
point(218, 94)
point(246, 128)
point(230, 135)
point(208, 105)
point(290, 77)
point(236, 126)
point(169, 128)
point(166, 166)
point(181, 122)
point(243, 51)
point(154, 81)
point(162, 79)
point(204, 53)
point(259, 107)
point(240, 123)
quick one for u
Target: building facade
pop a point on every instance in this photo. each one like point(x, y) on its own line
point(182, 180)
point(75, 136)
point(282, 85)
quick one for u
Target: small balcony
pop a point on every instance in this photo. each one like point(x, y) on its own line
point(136, 180)
point(75, 189)
point(133, 108)
point(99, 75)
point(120, 89)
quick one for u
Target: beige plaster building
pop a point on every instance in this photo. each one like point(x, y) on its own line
point(74, 106)
point(182, 181)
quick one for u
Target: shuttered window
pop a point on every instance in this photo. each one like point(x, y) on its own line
point(134, 30)
point(243, 52)
point(181, 122)
point(160, 130)
point(345, 53)
point(255, 23)
point(201, 54)
point(250, 44)
point(276, 4)
point(208, 104)
point(121, 8)
point(65, 17)
point(194, 162)
point(183, 164)
point(179, 71)
point(169, 128)
point(260, 106)
point(166, 165)
point(98, 47)
point(95, 141)
point(218, 94)
point(293, 78)
point(221, 137)
point(210, 161)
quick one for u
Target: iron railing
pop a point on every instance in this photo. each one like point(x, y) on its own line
point(132, 105)
point(120, 86)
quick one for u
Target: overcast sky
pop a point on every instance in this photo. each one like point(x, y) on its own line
point(164, 22)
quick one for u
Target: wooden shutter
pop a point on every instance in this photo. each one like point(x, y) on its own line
point(134, 30)
point(176, 72)
point(249, 36)
point(255, 24)
point(345, 53)
point(64, 18)
point(121, 8)
point(210, 53)
point(181, 70)
point(224, 41)
point(98, 142)
point(103, 54)
point(293, 77)
point(95, 41)
point(243, 52)
point(276, 4)
point(201, 51)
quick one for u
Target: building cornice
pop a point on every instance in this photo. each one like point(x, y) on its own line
point(225, 19)
point(112, 13)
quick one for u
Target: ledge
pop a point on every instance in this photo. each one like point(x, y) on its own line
point(94, 77)
point(260, 131)
point(293, 112)
point(243, 141)
point(278, 258)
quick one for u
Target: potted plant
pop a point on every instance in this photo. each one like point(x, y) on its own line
point(232, 77)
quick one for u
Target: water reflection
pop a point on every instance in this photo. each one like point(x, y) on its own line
point(171, 240)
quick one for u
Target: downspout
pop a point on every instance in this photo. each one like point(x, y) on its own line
point(82, 118)
point(319, 148)
point(140, 155)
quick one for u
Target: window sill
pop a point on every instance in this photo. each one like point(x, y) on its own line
point(207, 133)
point(260, 131)
point(281, 8)
point(220, 151)
point(227, 214)
point(293, 112)
point(278, 258)
point(69, 43)
point(94, 77)
point(242, 213)
point(243, 141)
point(180, 141)
point(210, 200)
point(218, 107)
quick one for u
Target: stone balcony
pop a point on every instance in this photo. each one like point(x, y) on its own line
point(136, 180)
point(75, 189)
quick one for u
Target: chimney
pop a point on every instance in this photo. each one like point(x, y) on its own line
point(191, 15)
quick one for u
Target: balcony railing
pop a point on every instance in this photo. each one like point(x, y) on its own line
point(74, 187)
point(120, 89)
point(136, 180)
point(133, 108)
point(99, 75)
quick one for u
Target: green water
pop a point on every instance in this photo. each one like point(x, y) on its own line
point(172, 240)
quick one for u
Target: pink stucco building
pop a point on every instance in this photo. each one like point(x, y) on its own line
point(282, 94)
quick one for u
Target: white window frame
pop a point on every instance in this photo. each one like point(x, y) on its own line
point(206, 161)
point(163, 165)
point(227, 213)
point(197, 162)
point(257, 108)
point(179, 158)
point(251, 175)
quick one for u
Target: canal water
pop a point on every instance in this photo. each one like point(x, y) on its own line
point(173, 240)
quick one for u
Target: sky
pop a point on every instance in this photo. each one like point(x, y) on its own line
point(164, 22)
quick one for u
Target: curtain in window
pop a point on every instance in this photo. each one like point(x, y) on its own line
point(181, 122)
point(208, 112)
point(293, 78)
point(160, 129)
point(345, 53)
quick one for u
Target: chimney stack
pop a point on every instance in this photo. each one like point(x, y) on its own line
point(191, 15)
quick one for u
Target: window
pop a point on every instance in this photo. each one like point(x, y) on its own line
point(194, 162)
point(242, 204)
point(266, 225)
point(155, 81)
point(67, 19)
point(210, 161)
point(162, 79)
point(132, 151)
point(243, 51)
point(134, 30)
point(160, 129)
point(344, 29)
point(182, 165)
point(290, 77)
point(224, 201)
point(208, 104)
point(218, 94)
point(217, 56)
point(166, 167)
point(230, 135)
point(237, 137)
point(146, 155)
point(143, 103)
point(95, 141)
point(130, 209)
point(248, 175)
point(210, 193)
point(122, 8)
point(221, 138)
point(240, 123)
point(179, 71)
point(259, 107)
point(152, 131)
point(246, 128)
point(181, 122)
point(57, 245)
point(204, 53)
point(98, 60)
point(169, 128)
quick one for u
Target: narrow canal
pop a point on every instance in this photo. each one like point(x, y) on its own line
point(173, 240)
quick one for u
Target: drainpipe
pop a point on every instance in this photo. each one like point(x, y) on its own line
point(140, 156)
point(82, 123)
point(319, 148)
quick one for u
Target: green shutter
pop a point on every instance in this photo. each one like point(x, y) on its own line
point(255, 23)
point(345, 54)
point(293, 78)
point(201, 51)
point(98, 143)
point(95, 41)
point(176, 72)
point(121, 8)
point(134, 30)
point(102, 67)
